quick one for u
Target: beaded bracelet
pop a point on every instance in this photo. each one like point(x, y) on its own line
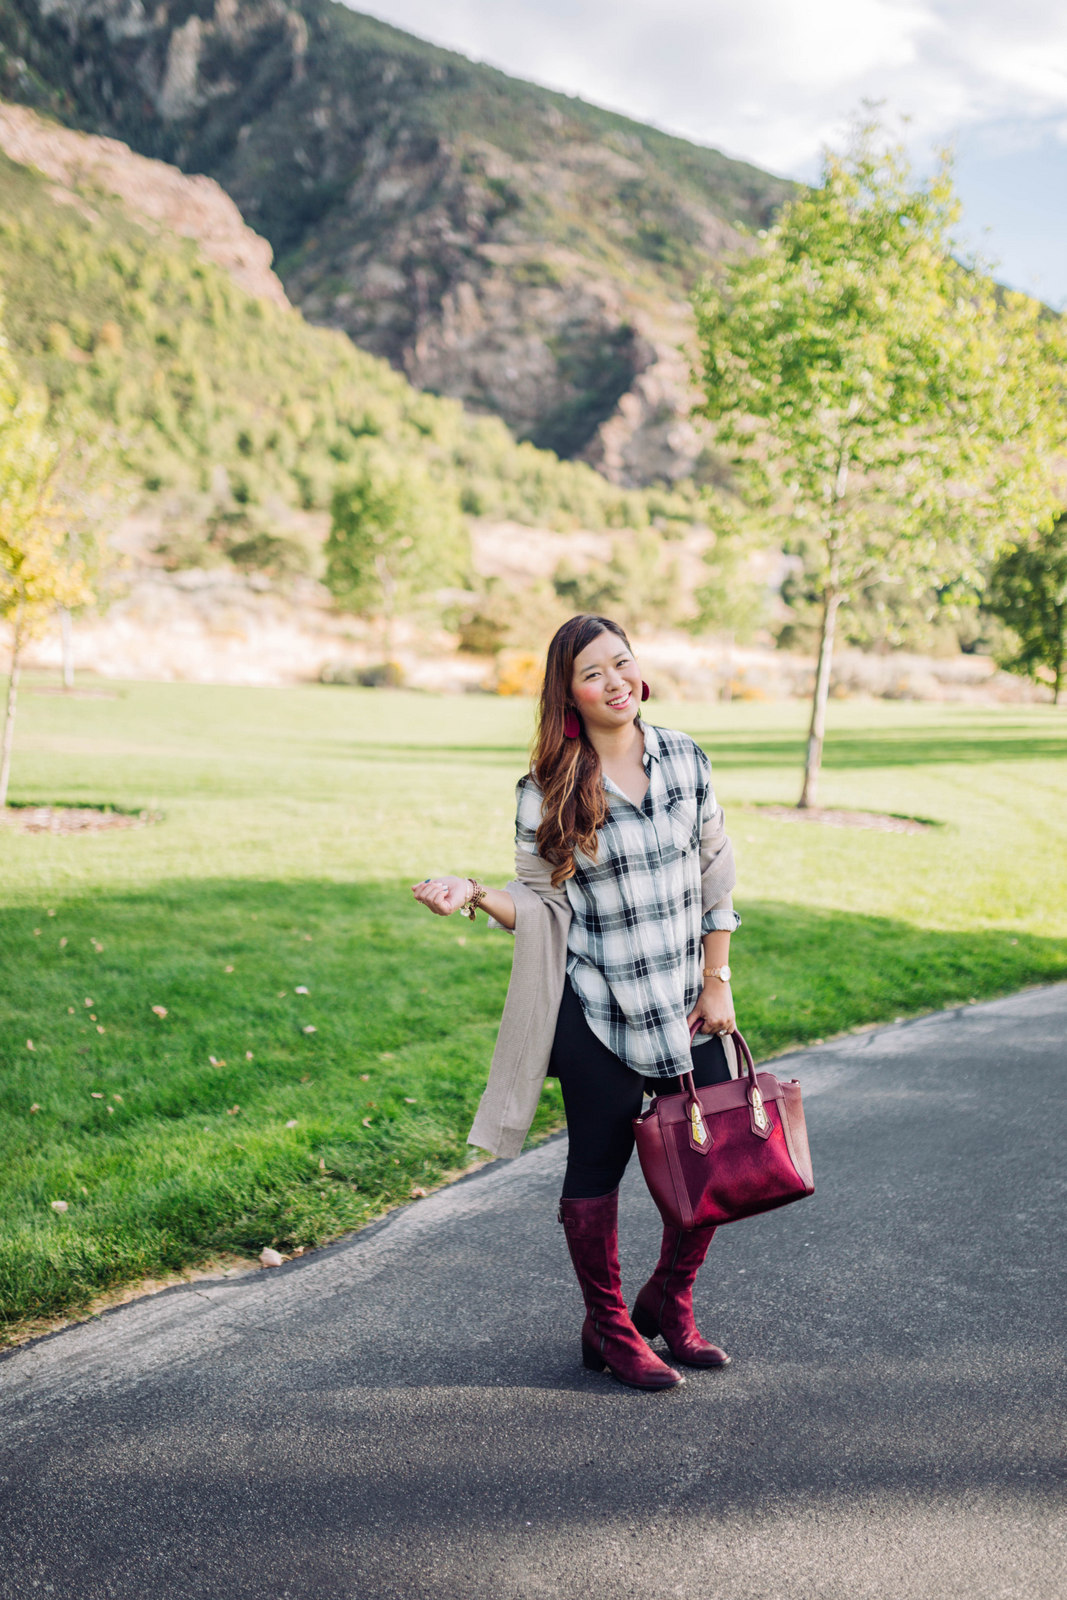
point(474, 899)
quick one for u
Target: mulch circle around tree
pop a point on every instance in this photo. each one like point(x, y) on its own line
point(880, 822)
point(73, 819)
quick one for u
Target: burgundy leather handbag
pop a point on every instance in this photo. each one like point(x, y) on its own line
point(731, 1150)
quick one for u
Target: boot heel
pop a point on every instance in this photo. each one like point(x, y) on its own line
point(645, 1323)
point(608, 1337)
point(592, 1358)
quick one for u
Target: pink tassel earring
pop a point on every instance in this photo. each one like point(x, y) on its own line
point(645, 690)
point(571, 726)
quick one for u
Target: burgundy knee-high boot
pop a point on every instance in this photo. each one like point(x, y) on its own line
point(665, 1304)
point(609, 1338)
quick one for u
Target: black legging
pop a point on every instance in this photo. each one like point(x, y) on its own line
point(602, 1095)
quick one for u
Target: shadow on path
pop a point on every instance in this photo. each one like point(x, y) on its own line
point(404, 1415)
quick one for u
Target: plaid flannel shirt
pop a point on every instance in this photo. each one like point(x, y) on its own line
point(634, 954)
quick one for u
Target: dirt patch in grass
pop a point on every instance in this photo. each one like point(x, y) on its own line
point(73, 819)
point(879, 821)
point(227, 1265)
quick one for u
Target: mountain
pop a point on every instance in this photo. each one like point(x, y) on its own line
point(517, 249)
point(151, 191)
point(148, 308)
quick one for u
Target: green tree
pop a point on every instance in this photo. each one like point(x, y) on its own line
point(898, 411)
point(1028, 591)
point(639, 584)
point(88, 485)
point(393, 541)
point(732, 600)
point(37, 573)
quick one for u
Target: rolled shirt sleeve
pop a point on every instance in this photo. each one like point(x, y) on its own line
point(721, 917)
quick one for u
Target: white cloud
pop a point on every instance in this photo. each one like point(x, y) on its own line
point(772, 79)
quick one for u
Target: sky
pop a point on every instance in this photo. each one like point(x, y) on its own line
point(774, 81)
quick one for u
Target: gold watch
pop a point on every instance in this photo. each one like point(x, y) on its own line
point(723, 973)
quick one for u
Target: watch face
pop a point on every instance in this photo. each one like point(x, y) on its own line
point(725, 974)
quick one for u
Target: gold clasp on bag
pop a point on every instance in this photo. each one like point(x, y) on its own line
point(699, 1132)
point(760, 1120)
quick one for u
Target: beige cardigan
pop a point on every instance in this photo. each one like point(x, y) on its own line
point(538, 971)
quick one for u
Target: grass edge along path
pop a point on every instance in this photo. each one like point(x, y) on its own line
point(166, 1153)
point(323, 1042)
point(226, 1265)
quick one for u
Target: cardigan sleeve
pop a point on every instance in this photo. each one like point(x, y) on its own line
point(528, 1025)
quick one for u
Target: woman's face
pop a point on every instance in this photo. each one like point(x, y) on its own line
point(606, 683)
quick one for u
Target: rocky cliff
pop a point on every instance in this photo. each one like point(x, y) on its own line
point(520, 250)
point(194, 208)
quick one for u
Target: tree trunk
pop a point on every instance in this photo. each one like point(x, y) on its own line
point(817, 730)
point(12, 700)
point(67, 644)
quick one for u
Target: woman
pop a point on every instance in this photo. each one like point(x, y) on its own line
point(622, 917)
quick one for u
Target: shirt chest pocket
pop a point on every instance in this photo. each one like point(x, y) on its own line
point(678, 829)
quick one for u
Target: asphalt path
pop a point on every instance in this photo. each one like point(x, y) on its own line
point(404, 1416)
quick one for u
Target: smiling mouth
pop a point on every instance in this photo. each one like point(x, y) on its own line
point(617, 705)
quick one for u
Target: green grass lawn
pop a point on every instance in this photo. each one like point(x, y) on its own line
point(294, 821)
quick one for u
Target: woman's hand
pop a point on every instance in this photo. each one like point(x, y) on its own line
point(715, 1009)
point(442, 895)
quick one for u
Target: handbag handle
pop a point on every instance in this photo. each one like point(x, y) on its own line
point(739, 1041)
point(758, 1119)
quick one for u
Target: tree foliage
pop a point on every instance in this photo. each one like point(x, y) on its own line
point(639, 584)
point(394, 540)
point(37, 570)
point(898, 411)
point(1028, 591)
point(227, 406)
point(732, 600)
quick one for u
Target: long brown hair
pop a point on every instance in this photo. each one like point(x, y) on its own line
point(568, 770)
